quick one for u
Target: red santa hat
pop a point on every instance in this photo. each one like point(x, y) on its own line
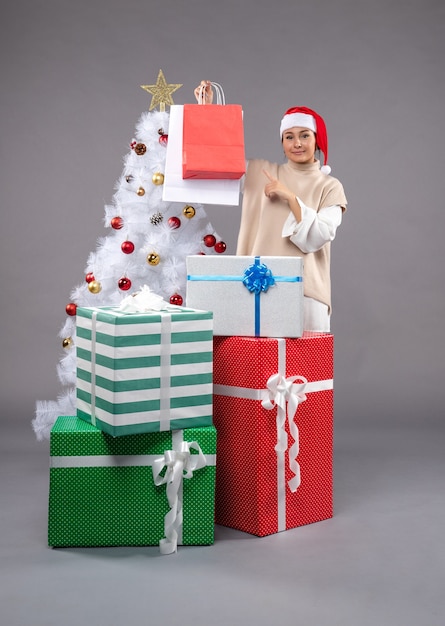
point(307, 118)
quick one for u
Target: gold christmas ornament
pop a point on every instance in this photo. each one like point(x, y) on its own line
point(141, 191)
point(158, 178)
point(161, 92)
point(94, 286)
point(67, 342)
point(153, 258)
point(189, 211)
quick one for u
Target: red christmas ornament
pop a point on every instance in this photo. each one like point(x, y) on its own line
point(117, 223)
point(89, 277)
point(209, 240)
point(124, 283)
point(220, 247)
point(174, 222)
point(163, 140)
point(127, 247)
point(71, 308)
point(176, 299)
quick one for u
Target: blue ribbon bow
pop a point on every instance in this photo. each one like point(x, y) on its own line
point(258, 277)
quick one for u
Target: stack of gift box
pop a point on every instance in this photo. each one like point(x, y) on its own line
point(273, 394)
point(137, 465)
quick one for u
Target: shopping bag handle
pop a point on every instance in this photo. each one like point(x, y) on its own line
point(220, 97)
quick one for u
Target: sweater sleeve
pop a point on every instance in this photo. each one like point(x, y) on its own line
point(315, 228)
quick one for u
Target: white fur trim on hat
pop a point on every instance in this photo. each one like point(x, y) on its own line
point(298, 119)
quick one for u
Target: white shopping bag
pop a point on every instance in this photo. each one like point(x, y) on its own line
point(176, 189)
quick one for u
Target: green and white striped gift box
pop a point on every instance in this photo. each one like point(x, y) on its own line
point(144, 372)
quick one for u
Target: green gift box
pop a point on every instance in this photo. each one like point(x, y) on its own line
point(134, 490)
point(144, 372)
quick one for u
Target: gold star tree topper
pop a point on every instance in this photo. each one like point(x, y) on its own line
point(161, 92)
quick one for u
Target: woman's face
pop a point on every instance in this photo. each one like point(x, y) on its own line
point(299, 145)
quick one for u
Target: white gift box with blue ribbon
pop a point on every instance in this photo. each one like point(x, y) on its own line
point(251, 296)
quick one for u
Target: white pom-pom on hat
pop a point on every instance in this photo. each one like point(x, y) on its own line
point(307, 118)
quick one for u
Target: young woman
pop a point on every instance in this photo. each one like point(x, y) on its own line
point(295, 208)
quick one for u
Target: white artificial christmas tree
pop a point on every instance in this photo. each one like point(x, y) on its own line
point(146, 244)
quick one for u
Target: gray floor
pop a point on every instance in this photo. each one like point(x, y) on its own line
point(379, 561)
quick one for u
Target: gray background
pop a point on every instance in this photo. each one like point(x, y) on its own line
point(70, 99)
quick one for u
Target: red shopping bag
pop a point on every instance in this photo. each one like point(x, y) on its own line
point(213, 141)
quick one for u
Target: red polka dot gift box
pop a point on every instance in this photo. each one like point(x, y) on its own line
point(134, 490)
point(273, 410)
